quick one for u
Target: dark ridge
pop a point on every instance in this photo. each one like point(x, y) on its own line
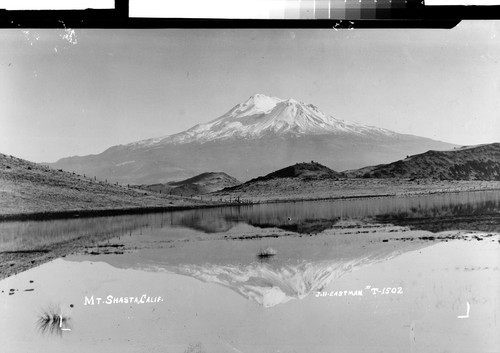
point(25, 251)
point(463, 163)
point(308, 171)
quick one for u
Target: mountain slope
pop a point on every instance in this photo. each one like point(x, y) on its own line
point(480, 162)
point(250, 140)
point(27, 187)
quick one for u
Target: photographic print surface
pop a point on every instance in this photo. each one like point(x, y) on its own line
point(250, 190)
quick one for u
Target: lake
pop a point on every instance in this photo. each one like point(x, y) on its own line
point(414, 274)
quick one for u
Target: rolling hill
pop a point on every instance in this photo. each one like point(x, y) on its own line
point(305, 171)
point(462, 169)
point(480, 162)
point(198, 185)
point(27, 188)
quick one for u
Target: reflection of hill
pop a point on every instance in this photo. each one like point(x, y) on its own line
point(441, 224)
point(482, 216)
point(201, 221)
point(218, 220)
point(306, 226)
point(473, 211)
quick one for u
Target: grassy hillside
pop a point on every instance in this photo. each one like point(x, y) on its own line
point(466, 163)
point(298, 189)
point(27, 187)
point(309, 181)
point(305, 171)
point(198, 185)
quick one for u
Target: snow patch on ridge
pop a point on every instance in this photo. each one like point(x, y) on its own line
point(124, 163)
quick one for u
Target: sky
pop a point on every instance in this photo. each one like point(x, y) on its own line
point(79, 92)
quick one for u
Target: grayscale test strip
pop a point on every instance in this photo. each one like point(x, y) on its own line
point(352, 9)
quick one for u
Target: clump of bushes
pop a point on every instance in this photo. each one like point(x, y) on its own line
point(51, 321)
point(266, 253)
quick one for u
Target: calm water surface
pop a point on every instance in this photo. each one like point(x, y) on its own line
point(347, 276)
point(471, 211)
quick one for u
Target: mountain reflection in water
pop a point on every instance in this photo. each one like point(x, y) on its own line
point(301, 266)
point(272, 285)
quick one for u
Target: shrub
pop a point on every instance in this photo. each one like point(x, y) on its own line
point(265, 253)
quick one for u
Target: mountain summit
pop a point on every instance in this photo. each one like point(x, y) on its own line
point(264, 116)
point(253, 138)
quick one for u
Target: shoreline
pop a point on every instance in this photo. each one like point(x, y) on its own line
point(17, 261)
point(90, 213)
point(109, 212)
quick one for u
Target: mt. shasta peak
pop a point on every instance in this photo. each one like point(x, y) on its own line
point(252, 139)
point(264, 116)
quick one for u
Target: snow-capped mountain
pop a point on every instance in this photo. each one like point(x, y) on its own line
point(262, 116)
point(252, 139)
